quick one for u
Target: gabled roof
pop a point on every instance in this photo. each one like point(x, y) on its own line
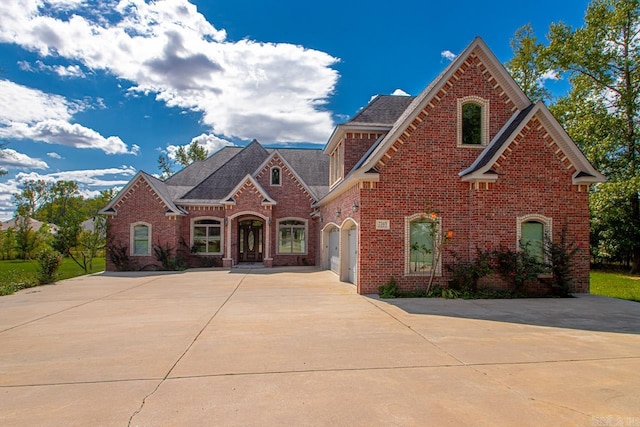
point(266, 199)
point(378, 115)
point(492, 63)
point(197, 171)
point(585, 172)
point(219, 183)
point(159, 187)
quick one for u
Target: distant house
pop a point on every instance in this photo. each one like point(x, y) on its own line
point(33, 223)
point(495, 167)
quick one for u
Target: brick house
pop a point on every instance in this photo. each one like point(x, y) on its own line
point(495, 167)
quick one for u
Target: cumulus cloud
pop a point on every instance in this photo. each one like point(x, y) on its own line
point(11, 159)
point(168, 48)
point(54, 155)
point(448, 55)
point(27, 113)
point(549, 75)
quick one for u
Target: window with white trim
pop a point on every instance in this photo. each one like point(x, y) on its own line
point(473, 121)
point(140, 239)
point(276, 174)
point(292, 236)
point(207, 236)
point(336, 164)
point(420, 231)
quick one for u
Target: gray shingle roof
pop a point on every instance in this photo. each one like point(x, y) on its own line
point(382, 110)
point(219, 183)
point(194, 173)
point(495, 146)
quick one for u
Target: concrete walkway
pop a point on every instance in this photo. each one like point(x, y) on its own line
point(297, 347)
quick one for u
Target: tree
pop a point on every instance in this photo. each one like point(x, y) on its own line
point(529, 65)
point(183, 157)
point(602, 112)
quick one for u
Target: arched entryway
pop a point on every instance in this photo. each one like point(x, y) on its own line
point(331, 247)
point(250, 240)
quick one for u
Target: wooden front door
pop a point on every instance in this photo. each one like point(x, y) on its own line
point(250, 241)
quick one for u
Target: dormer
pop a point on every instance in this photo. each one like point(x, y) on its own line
point(351, 140)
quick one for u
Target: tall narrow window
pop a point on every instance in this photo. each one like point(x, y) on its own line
point(292, 237)
point(532, 239)
point(275, 175)
point(420, 246)
point(471, 124)
point(207, 236)
point(140, 239)
point(473, 121)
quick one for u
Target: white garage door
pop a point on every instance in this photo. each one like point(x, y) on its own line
point(334, 250)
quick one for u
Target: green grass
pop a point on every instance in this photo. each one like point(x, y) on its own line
point(17, 274)
point(615, 285)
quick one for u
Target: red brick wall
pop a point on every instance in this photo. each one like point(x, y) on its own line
point(141, 204)
point(355, 146)
point(425, 168)
point(293, 202)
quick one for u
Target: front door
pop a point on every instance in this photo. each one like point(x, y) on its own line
point(250, 241)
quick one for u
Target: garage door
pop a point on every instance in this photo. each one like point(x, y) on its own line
point(334, 250)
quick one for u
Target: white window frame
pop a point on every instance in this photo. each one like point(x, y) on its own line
point(193, 225)
point(337, 164)
point(279, 184)
point(306, 236)
point(484, 105)
point(132, 237)
point(407, 245)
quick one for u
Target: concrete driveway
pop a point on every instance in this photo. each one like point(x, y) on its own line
point(297, 347)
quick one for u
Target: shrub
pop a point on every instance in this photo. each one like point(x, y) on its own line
point(48, 263)
point(389, 289)
point(164, 254)
point(466, 274)
point(119, 255)
point(560, 256)
point(517, 267)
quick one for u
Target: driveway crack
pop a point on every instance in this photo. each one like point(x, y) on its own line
point(213, 316)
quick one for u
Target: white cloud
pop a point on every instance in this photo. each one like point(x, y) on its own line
point(11, 159)
point(54, 155)
point(549, 75)
point(27, 113)
point(210, 142)
point(400, 92)
point(448, 55)
point(60, 70)
point(244, 89)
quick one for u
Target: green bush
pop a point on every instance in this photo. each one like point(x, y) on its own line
point(560, 256)
point(389, 289)
point(517, 267)
point(164, 254)
point(466, 274)
point(48, 263)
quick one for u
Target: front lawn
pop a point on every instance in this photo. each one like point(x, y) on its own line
point(615, 285)
point(17, 274)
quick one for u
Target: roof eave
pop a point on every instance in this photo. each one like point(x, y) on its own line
point(340, 130)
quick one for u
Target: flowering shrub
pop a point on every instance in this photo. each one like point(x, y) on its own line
point(517, 267)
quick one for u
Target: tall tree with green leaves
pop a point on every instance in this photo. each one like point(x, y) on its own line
point(528, 65)
point(602, 111)
point(183, 157)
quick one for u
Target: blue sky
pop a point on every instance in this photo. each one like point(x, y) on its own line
point(93, 91)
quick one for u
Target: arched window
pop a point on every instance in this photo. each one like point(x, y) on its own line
point(420, 231)
point(141, 239)
point(292, 236)
point(275, 175)
point(471, 124)
point(532, 239)
point(473, 121)
point(207, 236)
point(533, 232)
